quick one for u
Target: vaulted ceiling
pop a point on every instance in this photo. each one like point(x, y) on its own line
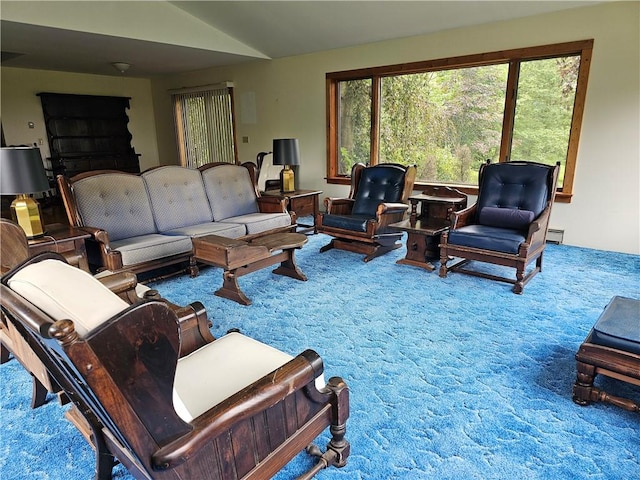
point(159, 37)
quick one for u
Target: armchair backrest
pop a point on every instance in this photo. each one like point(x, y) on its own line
point(513, 194)
point(378, 184)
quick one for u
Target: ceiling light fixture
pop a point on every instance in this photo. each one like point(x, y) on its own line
point(121, 66)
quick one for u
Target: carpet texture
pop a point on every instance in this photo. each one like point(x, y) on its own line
point(454, 378)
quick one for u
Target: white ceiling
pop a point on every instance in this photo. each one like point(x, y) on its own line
point(87, 36)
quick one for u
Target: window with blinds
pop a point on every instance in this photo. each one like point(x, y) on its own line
point(205, 128)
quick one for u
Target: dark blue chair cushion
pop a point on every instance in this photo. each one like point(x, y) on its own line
point(506, 218)
point(514, 185)
point(378, 184)
point(619, 325)
point(354, 223)
point(487, 238)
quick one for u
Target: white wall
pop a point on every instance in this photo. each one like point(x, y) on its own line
point(20, 105)
point(290, 102)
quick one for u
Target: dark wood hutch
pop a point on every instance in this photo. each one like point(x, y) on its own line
point(88, 132)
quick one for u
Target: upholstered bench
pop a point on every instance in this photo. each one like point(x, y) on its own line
point(612, 348)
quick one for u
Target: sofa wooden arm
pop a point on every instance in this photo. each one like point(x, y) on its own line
point(269, 204)
point(261, 395)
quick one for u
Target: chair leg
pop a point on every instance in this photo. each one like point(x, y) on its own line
point(327, 247)
point(39, 393)
point(379, 250)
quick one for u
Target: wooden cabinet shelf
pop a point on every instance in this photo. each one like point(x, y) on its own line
point(88, 132)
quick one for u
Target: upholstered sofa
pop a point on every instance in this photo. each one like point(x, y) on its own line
point(141, 222)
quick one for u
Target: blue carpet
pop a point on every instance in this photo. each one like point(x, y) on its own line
point(454, 378)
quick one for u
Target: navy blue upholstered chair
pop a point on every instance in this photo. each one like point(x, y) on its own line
point(378, 198)
point(508, 223)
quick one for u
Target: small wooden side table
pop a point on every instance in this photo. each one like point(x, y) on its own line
point(303, 202)
point(63, 239)
point(425, 227)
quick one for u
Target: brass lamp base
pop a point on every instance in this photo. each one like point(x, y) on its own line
point(26, 212)
point(287, 183)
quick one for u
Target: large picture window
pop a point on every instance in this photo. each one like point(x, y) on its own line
point(449, 116)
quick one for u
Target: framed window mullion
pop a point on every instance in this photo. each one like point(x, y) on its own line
point(576, 121)
point(375, 119)
point(509, 110)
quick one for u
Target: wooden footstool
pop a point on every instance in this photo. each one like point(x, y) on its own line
point(612, 348)
point(238, 258)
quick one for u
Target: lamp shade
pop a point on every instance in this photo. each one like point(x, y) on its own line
point(22, 171)
point(286, 151)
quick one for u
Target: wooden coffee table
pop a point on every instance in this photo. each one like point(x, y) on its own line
point(239, 257)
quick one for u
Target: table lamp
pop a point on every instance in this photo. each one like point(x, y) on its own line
point(286, 151)
point(22, 173)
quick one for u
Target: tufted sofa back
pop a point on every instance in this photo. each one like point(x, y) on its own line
point(513, 192)
point(115, 202)
point(177, 197)
point(230, 190)
point(378, 184)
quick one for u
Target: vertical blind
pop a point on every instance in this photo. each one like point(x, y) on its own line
point(204, 125)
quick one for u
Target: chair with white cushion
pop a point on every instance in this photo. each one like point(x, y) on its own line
point(233, 408)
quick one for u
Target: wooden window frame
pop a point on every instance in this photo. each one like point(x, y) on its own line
point(513, 58)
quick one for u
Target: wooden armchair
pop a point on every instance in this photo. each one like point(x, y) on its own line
point(14, 250)
point(507, 225)
point(233, 408)
point(378, 198)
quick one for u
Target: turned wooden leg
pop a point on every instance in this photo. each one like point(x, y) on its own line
point(583, 384)
point(192, 268)
point(518, 287)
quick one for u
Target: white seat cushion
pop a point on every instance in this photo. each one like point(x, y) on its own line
point(216, 371)
point(66, 292)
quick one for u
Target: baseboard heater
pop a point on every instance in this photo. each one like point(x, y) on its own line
point(555, 235)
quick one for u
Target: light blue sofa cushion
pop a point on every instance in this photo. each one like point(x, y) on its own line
point(144, 248)
point(224, 229)
point(261, 222)
point(230, 191)
point(177, 197)
point(115, 202)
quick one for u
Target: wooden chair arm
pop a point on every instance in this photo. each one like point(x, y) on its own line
point(338, 206)
point(119, 283)
point(463, 217)
point(387, 208)
point(259, 396)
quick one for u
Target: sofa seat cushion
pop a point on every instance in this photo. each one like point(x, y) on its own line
point(47, 285)
point(224, 229)
point(355, 223)
point(487, 238)
point(619, 325)
point(261, 222)
point(151, 247)
point(220, 369)
point(177, 197)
